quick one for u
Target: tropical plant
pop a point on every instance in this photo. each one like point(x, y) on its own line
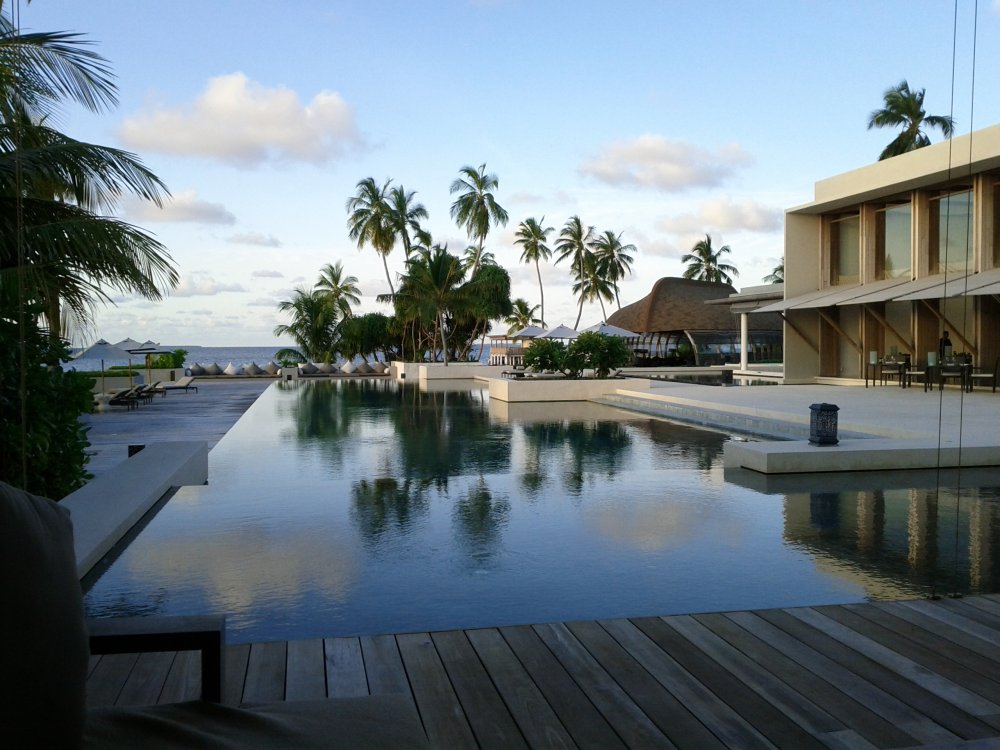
point(777, 276)
point(614, 260)
point(370, 220)
point(475, 208)
point(599, 352)
point(314, 325)
point(575, 244)
point(366, 335)
point(168, 360)
point(593, 285)
point(905, 109)
point(522, 315)
point(545, 355)
point(704, 263)
point(405, 214)
point(342, 291)
point(532, 236)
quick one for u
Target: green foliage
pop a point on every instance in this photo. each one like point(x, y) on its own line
point(904, 108)
point(53, 445)
point(545, 355)
point(366, 335)
point(170, 359)
point(600, 353)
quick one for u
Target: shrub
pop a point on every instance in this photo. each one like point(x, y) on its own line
point(545, 354)
point(168, 360)
point(600, 353)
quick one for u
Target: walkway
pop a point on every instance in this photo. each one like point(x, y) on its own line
point(899, 674)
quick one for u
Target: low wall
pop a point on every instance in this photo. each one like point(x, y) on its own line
point(560, 389)
point(460, 371)
point(108, 506)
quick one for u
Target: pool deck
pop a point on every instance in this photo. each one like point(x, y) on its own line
point(893, 674)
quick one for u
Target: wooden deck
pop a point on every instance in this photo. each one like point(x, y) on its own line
point(900, 674)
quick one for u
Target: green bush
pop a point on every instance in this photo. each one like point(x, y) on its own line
point(170, 360)
point(598, 352)
point(545, 354)
point(43, 443)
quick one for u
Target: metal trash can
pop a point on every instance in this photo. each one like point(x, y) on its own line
point(823, 424)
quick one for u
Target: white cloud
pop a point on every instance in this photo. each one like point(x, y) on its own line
point(181, 207)
point(262, 302)
point(243, 123)
point(254, 238)
point(197, 285)
point(656, 246)
point(265, 273)
point(724, 214)
point(652, 161)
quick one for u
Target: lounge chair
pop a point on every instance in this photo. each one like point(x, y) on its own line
point(44, 664)
point(182, 384)
point(128, 398)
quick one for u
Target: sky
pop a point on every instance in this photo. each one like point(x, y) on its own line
point(664, 121)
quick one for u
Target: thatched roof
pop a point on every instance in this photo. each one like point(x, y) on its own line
point(679, 305)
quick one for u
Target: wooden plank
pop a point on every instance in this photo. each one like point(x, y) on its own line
point(884, 691)
point(265, 672)
point(846, 739)
point(966, 625)
point(439, 708)
point(840, 705)
point(384, 666)
point(345, 668)
point(978, 614)
point(693, 698)
point(534, 716)
point(305, 678)
point(620, 711)
point(183, 682)
point(108, 679)
point(92, 663)
point(941, 629)
point(146, 679)
point(788, 721)
point(984, 603)
point(485, 710)
point(588, 728)
point(236, 658)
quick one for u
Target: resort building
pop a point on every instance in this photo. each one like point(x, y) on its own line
point(888, 257)
point(676, 326)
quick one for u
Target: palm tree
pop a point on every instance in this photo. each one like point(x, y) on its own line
point(475, 208)
point(405, 215)
point(904, 108)
point(705, 264)
point(777, 276)
point(433, 289)
point(532, 236)
point(593, 284)
point(576, 243)
point(314, 324)
point(342, 290)
point(522, 316)
point(370, 220)
point(613, 259)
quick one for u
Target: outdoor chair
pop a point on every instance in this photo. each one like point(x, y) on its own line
point(128, 398)
point(44, 665)
point(987, 377)
point(184, 384)
point(923, 372)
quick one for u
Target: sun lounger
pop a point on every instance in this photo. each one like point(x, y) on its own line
point(128, 398)
point(182, 384)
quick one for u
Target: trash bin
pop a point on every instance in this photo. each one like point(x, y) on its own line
point(823, 424)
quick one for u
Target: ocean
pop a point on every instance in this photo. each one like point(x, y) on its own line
point(207, 355)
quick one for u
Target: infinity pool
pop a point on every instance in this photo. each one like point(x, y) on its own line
point(362, 506)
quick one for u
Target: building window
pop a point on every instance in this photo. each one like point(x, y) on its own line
point(845, 250)
point(951, 233)
point(893, 256)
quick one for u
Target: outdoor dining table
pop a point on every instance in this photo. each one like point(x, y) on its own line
point(957, 370)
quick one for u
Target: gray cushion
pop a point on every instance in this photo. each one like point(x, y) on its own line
point(43, 660)
point(253, 369)
point(271, 368)
point(308, 368)
point(213, 369)
point(197, 369)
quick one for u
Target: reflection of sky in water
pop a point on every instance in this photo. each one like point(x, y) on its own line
point(349, 507)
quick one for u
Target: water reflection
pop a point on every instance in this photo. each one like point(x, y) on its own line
point(385, 504)
point(479, 518)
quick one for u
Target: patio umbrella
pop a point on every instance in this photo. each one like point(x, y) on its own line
point(102, 350)
point(528, 332)
point(560, 332)
point(128, 344)
point(609, 330)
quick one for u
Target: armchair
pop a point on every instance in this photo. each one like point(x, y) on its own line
point(44, 661)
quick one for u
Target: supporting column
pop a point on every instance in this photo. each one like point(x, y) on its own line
point(744, 340)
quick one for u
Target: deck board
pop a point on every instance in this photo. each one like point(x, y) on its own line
point(859, 676)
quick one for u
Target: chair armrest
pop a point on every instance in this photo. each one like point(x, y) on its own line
point(129, 635)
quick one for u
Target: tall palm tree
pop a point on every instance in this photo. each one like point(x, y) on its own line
point(370, 220)
point(613, 259)
point(532, 236)
point(476, 208)
point(314, 323)
point(777, 276)
point(593, 284)
point(575, 243)
point(706, 264)
point(433, 289)
point(905, 108)
point(406, 214)
point(522, 315)
point(342, 291)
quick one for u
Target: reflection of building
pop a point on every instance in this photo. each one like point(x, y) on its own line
point(675, 324)
point(889, 255)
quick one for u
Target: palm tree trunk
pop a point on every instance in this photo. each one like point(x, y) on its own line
point(617, 299)
point(604, 313)
point(444, 339)
point(385, 264)
point(541, 292)
point(579, 314)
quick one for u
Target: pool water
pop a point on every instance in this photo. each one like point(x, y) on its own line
point(362, 506)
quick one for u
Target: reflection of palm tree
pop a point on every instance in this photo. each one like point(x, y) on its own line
point(481, 518)
point(382, 503)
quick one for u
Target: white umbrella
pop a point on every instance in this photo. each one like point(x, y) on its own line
point(128, 344)
point(528, 332)
point(102, 350)
point(559, 332)
point(609, 330)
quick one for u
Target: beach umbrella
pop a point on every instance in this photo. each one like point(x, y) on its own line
point(128, 344)
point(609, 330)
point(528, 332)
point(102, 350)
point(559, 332)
